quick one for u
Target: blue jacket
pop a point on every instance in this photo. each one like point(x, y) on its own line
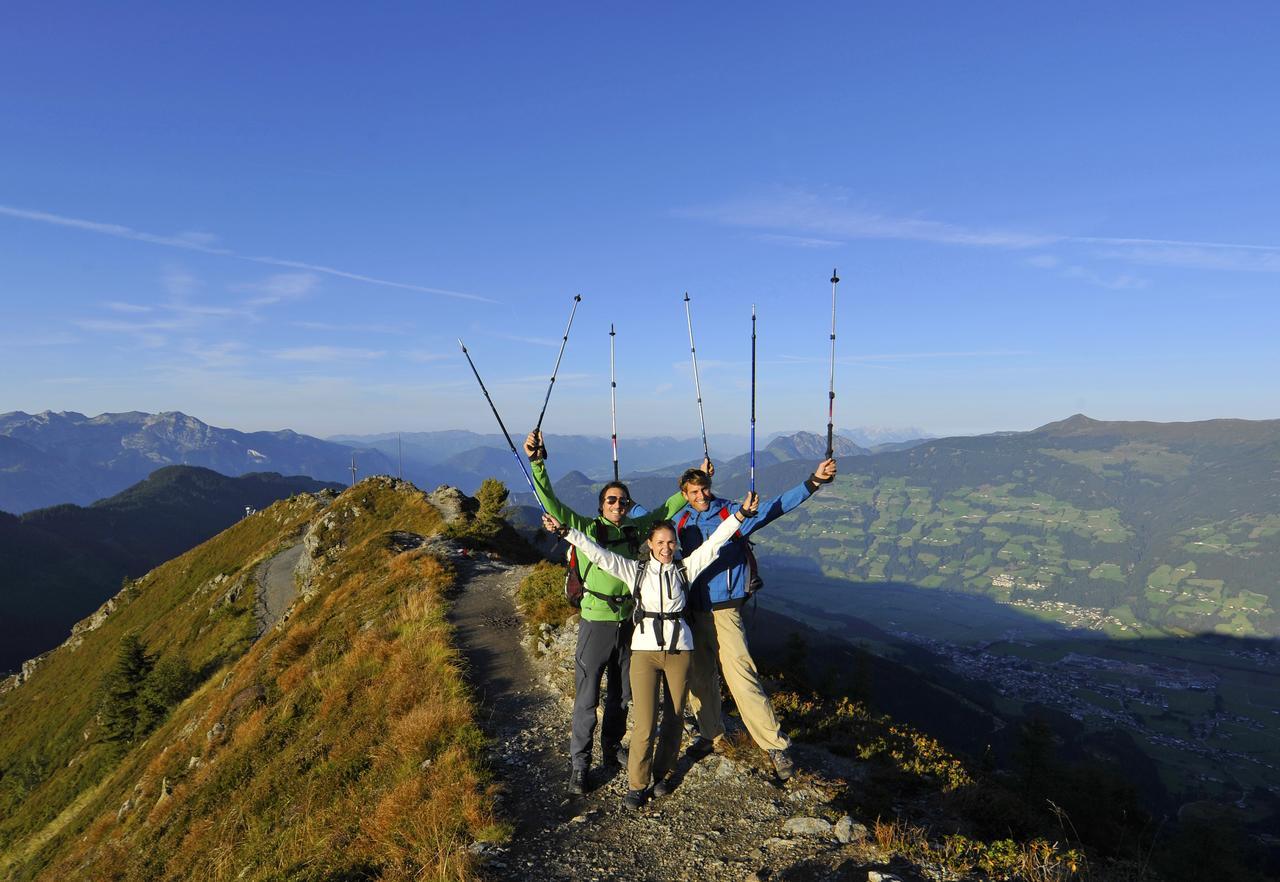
point(724, 582)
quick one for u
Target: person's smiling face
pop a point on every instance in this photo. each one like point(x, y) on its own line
point(614, 503)
point(662, 545)
point(697, 495)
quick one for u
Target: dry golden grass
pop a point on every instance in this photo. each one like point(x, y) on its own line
point(541, 597)
point(1005, 859)
point(362, 759)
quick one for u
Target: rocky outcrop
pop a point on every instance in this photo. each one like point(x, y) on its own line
point(452, 503)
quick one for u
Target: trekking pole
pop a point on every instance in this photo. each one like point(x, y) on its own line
point(831, 388)
point(753, 398)
point(519, 460)
point(613, 403)
point(696, 384)
point(577, 298)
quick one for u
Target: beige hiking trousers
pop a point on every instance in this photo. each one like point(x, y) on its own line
point(720, 634)
point(644, 762)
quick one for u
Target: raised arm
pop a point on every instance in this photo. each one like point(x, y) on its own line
point(779, 505)
point(614, 564)
point(533, 446)
point(704, 554)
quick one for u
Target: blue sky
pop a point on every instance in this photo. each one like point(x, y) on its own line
point(284, 215)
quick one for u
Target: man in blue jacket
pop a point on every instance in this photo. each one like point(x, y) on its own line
point(715, 615)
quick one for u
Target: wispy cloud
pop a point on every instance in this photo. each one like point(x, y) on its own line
point(352, 328)
point(201, 242)
point(343, 274)
point(835, 215)
point(55, 338)
point(125, 326)
point(536, 341)
point(808, 219)
point(327, 353)
point(120, 306)
point(908, 356)
point(182, 240)
point(1121, 282)
point(541, 379)
point(423, 356)
point(279, 287)
point(796, 241)
point(226, 354)
point(1208, 256)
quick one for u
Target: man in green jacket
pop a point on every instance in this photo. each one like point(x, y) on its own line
point(604, 632)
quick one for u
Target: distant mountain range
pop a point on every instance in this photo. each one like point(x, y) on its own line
point(57, 565)
point(50, 458)
point(877, 436)
point(465, 458)
point(1123, 528)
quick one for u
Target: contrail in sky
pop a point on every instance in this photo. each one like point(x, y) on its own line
point(193, 243)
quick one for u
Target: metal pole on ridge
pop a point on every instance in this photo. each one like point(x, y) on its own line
point(613, 403)
point(519, 459)
point(577, 298)
point(753, 398)
point(697, 385)
point(831, 388)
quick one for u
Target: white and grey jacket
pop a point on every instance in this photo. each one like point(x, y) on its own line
point(663, 588)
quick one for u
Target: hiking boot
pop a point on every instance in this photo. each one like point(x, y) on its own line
point(578, 782)
point(700, 747)
point(664, 786)
point(614, 755)
point(783, 765)
point(633, 800)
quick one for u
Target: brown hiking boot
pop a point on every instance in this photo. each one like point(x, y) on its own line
point(783, 765)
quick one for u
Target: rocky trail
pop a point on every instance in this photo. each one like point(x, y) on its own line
point(279, 588)
point(726, 820)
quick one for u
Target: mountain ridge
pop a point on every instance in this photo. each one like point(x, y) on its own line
point(57, 564)
point(81, 459)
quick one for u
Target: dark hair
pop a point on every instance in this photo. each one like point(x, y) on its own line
point(695, 476)
point(662, 525)
point(612, 485)
point(646, 553)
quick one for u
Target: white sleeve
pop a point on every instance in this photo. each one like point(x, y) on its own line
point(614, 564)
point(705, 553)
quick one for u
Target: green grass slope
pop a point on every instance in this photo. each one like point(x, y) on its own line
point(57, 565)
point(339, 745)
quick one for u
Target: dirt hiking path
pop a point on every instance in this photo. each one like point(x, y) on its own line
point(726, 820)
point(279, 587)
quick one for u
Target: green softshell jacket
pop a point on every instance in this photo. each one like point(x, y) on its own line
point(593, 608)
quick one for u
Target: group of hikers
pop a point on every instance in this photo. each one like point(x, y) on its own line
point(662, 598)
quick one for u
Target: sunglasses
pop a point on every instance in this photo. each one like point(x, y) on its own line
point(620, 500)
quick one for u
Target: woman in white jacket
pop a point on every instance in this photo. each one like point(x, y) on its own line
point(662, 639)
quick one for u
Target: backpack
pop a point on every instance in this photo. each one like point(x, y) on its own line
point(575, 579)
point(639, 614)
point(754, 580)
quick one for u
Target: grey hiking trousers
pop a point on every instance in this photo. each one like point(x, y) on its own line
point(604, 651)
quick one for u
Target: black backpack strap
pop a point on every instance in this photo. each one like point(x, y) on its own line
point(637, 614)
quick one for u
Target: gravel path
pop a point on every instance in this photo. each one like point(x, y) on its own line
point(277, 586)
point(727, 819)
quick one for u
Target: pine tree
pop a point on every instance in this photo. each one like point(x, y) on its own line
point(492, 497)
point(170, 681)
point(120, 689)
